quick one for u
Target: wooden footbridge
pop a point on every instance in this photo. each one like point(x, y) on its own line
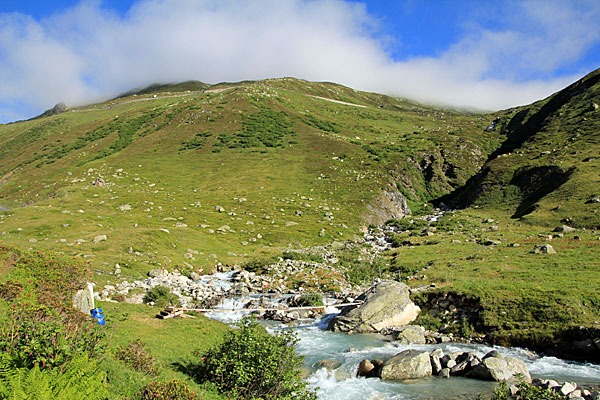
point(176, 312)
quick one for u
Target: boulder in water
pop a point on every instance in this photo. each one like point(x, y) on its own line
point(409, 364)
point(496, 367)
point(386, 305)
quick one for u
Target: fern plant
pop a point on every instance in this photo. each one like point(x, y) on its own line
point(82, 379)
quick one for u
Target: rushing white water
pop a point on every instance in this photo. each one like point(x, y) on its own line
point(317, 344)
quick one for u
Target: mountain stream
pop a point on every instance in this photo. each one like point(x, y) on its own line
point(317, 344)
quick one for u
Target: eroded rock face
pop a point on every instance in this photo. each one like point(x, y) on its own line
point(409, 364)
point(390, 204)
point(386, 305)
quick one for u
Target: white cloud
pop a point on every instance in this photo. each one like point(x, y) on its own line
point(87, 52)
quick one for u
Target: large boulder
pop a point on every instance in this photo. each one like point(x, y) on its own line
point(386, 305)
point(496, 367)
point(410, 364)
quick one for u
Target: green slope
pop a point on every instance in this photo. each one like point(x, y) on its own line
point(284, 159)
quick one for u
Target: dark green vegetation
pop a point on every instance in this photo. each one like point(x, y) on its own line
point(252, 364)
point(526, 392)
point(161, 296)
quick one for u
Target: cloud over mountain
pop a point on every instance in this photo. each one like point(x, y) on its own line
point(88, 52)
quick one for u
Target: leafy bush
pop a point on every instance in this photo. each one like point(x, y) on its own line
point(307, 300)
point(135, 355)
point(526, 392)
point(41, 327)
point(82, 379)
point(161, 296)
point(252, 364)
point(428, 321)
point(171, 390)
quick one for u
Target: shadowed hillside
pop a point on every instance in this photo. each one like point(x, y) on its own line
point(546, 169)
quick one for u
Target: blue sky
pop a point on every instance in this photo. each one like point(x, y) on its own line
point(484, 54)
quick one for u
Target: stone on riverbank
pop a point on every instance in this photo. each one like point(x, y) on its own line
point(386, 305)
point(411, 334)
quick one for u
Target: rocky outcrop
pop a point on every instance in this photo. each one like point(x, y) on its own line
point(386, 305)
point(409, 364)
point(390, 204)
point(57, 109)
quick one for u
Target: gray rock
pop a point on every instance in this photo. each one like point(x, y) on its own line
point(496, 367)
point(83, 300)
point(575, 394)
point(409, 364)
point(99, 238)
point(564, 229)
point(492, 242)
point(329, 364)
point(412, 334)
point(460, 368)
point(543, 249)
point(157, 273)
point(365, 368)
point(567, 388)
point(436, 365)
point(445, 373)
point(386, 305)
point(195, 276)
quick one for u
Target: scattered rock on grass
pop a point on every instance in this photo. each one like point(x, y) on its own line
point(543, 249)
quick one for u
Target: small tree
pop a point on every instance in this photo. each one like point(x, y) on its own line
point(252, 364)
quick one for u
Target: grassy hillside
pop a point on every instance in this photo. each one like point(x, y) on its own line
point(197, 175)
point(232, 172)
point(546, 170)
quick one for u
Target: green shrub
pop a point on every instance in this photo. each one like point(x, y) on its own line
point(135, 355)
point(256, 265)
point(526, 392)
point(171, 390)
point(308, 300)
point(428, 321)
point(252, 364)
point(161, 296)
point(41, 327)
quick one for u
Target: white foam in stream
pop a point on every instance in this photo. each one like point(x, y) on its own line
point(316, 344)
